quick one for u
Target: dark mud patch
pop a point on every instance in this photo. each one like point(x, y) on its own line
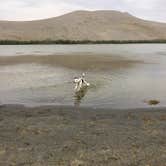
point(152, 102)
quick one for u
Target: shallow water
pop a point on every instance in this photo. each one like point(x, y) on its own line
point(121, 76)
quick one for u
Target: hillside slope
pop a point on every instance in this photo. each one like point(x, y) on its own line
point(84, 25)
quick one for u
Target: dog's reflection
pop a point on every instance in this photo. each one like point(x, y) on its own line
point(79, 95)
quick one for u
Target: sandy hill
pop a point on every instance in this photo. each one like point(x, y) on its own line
point(84, 25)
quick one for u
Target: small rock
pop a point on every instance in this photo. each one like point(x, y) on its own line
point(152, 102)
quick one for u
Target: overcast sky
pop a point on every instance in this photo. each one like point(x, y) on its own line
point(39, 9)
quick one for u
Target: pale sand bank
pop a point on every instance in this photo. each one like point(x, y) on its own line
point(77, 61)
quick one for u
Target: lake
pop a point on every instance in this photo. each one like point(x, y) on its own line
point(121, 76)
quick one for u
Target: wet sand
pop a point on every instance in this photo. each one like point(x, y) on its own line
point(78, 61)
point(50, 136)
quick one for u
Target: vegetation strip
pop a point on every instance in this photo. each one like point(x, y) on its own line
point(16, 42)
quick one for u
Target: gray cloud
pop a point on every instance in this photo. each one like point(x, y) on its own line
point(32, 9)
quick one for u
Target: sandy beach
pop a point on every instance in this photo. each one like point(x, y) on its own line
point(49, 136)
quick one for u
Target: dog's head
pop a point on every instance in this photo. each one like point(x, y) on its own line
point(76, 79)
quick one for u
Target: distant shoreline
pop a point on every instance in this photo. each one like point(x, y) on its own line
point(16, 42)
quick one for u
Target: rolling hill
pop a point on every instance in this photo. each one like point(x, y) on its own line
point(84, 25)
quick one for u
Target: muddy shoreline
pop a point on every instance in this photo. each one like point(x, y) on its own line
point(49, 136)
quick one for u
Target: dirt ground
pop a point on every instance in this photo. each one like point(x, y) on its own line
point(59, 136)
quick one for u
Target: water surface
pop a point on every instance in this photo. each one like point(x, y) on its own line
point(121, 76)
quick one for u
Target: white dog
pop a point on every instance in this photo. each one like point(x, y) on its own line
point(80, 83)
